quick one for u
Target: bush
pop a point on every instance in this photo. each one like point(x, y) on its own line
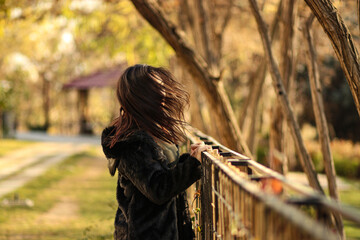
point(347, 167)
point(261, 155)
point(346, 155)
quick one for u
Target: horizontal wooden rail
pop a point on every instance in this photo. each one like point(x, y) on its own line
point(237, 203)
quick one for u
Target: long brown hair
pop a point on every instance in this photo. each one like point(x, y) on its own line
point(152, 100)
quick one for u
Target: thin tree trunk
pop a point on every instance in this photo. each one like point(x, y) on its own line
point(210, 85)
point(248, 118)
point(304, 156)
point(193, 21)
point(320, 119)
point(358, 11)
point(342, 43)
point(276, 138)
point(203, 31)
point(287, 36)
point(46, 101)
point(85, 128)
point(277, 133)
point(250, 121)
point(187, 19)
point(196, 118)
point(1, 124)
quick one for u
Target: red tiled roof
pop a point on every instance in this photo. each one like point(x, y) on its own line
point(101, 78)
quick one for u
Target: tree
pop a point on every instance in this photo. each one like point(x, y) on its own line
point(203, 74)
point(320, 118)
point(342, 43)
point(64, 40)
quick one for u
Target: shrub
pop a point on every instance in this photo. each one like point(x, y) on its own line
point(347, 167)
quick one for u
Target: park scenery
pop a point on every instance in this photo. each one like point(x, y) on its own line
point(274, 88)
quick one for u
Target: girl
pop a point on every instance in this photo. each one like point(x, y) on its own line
point(141, 145)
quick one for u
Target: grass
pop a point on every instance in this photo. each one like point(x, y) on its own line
point(76, 200)
point(73, 200)
point(346, 156)
point(9, 145)
point(351, 197)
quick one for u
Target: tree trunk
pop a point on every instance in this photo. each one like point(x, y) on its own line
point(207, 37)
point(250, 121)
point(277, 133)
point(342, 43)
point(196, 118)
point(304, 156)
point(358, 11)
point(210, 85)
point(1, 124)
point(320, 119)
point(46, 101)
point(276, 145)
point(85, 127)
point(192, 17)
point(248, 118)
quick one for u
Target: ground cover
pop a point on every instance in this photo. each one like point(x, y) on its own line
point(73, 200)
point(9, 145)
point(76, 200)
point(351, 196)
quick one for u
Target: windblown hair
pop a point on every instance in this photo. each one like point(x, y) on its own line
point(152, 100)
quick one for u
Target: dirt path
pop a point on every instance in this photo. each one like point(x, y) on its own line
point(67, 209)
point(301, 178)
point(14, 161)
point(17, 168)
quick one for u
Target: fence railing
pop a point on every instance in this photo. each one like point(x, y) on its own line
point(241, 199)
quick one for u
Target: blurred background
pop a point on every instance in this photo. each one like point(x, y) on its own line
point(59, 63)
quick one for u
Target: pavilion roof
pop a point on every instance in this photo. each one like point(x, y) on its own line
point(101, 78)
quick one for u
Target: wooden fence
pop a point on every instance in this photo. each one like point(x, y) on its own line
point(239, 198)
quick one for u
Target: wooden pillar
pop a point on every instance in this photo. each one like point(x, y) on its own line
point(7, 124)
point(85, 127)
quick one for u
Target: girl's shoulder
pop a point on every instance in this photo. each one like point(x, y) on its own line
point(136, 141)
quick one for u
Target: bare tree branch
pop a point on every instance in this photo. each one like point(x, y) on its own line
point(320, 118)
point(211, 86)
point(277, 145)
point(249, 114)
point(342, 42)
point(304, 156)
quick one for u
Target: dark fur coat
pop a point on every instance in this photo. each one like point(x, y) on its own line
point(150, 190)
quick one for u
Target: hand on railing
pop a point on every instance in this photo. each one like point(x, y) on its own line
point(198, 148)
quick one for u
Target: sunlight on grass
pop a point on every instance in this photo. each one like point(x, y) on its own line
point(9, 145)
point(351, 197)
point(73, 200)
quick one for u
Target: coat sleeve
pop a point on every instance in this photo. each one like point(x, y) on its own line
point(158, 183)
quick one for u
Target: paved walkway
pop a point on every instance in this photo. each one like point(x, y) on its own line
point(19, 167)
point(301, 178)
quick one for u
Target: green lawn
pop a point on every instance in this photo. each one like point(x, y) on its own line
point(9, 145)
point(352, 197)
point(73, 200)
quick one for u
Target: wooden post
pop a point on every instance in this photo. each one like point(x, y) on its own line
point(85, 128)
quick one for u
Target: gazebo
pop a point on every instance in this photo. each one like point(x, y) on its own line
point(99, 79)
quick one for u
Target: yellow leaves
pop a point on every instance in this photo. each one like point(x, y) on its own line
point(126, 7)
point(2, 27)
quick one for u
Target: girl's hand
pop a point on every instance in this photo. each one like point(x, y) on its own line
point(198, 148)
